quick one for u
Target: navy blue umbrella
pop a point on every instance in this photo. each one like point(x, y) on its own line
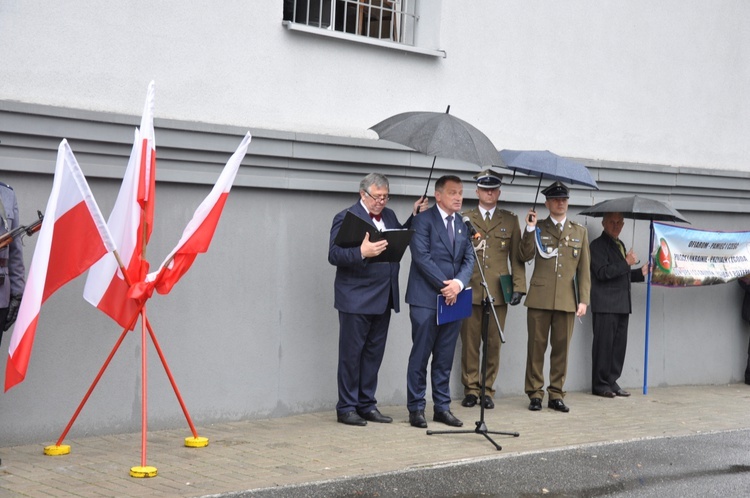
point(545, 164)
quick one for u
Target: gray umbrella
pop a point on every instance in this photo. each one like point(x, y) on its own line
point(639, 208)
point(439, 134)
point(546, 164)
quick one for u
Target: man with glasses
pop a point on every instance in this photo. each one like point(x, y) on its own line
point(558, 293)
point(364, 294)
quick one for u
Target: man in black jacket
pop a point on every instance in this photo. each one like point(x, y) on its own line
point(611, 305)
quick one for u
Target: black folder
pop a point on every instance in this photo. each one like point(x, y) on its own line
point(352, 233)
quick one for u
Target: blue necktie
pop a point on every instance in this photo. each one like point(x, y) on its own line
point(451, 235)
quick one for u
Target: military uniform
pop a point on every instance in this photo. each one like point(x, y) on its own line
point(499, 243)
point(552, 299)
point(12, 270)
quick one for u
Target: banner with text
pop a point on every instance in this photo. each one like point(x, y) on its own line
point(686, 257)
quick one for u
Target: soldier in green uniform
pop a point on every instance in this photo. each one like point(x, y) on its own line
point(558, 293)
point(499, 237)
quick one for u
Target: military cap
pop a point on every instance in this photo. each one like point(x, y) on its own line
point(556, 191)
point(488, 179)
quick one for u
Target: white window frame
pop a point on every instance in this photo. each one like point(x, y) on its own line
point(404, 25)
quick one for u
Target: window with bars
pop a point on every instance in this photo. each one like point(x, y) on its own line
point(389, 20)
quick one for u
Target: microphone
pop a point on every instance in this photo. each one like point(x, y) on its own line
point(470, 226)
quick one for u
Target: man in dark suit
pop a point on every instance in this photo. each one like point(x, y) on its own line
point(442, 264)
point(611, 305)
point(558, 293)
point(365, 293)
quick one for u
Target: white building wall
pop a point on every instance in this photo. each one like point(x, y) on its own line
point(637, 81)
point(251, 330)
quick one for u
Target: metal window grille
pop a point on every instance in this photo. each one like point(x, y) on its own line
point(393, 20)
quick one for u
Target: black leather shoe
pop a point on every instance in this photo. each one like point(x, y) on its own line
point(447, 418)
point(351, 418)
point(557, 404)
point(606, 394)
point(416, 419)
point(374, 415)
point(623, 393)
point(535, 405)
point(469, 401)
point(488, 403)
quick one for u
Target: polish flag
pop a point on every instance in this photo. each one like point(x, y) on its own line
point(130, 223)
point(73, 236)
point(197, 234)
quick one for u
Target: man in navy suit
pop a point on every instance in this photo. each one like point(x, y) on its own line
point(365, 293)
point(442, 262)
point(611, 305)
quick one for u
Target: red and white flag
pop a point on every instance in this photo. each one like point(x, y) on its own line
point(198, 233)
point(73, 236)
point(130, 223)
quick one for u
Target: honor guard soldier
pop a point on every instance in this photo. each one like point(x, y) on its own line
point(558, 293)
point(497, 245)
point(12, 270)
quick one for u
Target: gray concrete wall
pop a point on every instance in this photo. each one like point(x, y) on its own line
point(250, 331)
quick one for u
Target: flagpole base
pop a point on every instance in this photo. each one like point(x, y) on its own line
point(57, 450)
point(196, 442)
point(147, 471)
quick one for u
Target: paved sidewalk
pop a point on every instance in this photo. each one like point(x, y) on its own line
point(313, 447)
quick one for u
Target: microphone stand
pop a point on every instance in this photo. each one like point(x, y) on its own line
point(481, 427)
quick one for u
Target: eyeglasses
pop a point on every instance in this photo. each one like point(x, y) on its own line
point(380, 198)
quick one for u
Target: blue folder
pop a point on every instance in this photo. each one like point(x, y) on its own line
point(457, 311)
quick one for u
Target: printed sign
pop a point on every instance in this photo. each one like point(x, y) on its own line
point(686, 257)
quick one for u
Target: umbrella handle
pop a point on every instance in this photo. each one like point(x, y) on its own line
point(533, 207)
point(429, 178)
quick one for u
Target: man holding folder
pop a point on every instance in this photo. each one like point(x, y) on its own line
point(497, 244)
point(442, 264)
point(365, 293)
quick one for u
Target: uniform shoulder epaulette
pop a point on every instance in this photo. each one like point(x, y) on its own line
point(576, 223)
point(509, 212)
point(5, 185)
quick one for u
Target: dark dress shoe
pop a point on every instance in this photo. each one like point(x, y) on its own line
point(623, 393)
point(535, 405)
point(351, 418)
point(606, 394)
point(488, 403)
point(447, 418)
point(416, 419)
point(374, 415)
point(557, 404)
point(469, 401)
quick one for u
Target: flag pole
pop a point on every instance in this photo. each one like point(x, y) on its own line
point(63, 449)
point(648, 308)
point(144, 387)
point(195, 441)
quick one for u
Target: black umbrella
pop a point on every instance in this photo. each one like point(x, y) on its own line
point(636, 208)
point(439, 134)
point(639, 208)
point(546, 164)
